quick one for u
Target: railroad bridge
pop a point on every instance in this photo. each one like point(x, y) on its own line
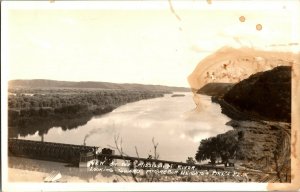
point(77, 154)
point(47, 150)
point(80, 154)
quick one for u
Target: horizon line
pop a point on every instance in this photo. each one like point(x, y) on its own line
point(97, 82)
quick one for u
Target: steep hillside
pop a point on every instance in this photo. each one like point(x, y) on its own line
point(266, 94)
point(259, 105)
point(43, 83)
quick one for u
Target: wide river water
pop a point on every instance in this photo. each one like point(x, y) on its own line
point(173, 122)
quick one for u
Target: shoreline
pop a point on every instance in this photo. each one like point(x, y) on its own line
point(30, 124)
point(265, 144)
point(247, 126)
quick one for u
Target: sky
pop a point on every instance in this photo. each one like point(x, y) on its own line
point(137, 42)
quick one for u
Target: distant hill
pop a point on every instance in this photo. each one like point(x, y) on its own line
point(43, 83)
point(215, 89)
point(267, 94)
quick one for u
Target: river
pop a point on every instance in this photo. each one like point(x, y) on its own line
point(173, 122)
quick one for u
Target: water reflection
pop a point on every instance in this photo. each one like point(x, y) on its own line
point(172, 121)
point(43, 125)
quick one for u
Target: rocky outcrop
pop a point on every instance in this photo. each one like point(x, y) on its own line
point(229, 65)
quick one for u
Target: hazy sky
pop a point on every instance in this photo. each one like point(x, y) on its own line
point(142, 43)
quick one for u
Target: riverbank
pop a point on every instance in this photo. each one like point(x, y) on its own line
point(264, 145)
point(137, 124)
point(38, 110)
point(42, 103)
point(260, 109)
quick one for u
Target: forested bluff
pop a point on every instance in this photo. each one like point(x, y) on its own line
point(260, 109)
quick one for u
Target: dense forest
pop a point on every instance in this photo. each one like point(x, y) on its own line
point(27, 107)
point(72, 99)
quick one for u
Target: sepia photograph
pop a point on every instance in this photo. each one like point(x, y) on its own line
point(150, 95)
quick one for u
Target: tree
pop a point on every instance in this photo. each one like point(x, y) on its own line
point(223, 145)
point(190, 160)
point(207, 150)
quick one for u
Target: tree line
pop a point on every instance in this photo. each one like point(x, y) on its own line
point(62, 99)
point(24, 104)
